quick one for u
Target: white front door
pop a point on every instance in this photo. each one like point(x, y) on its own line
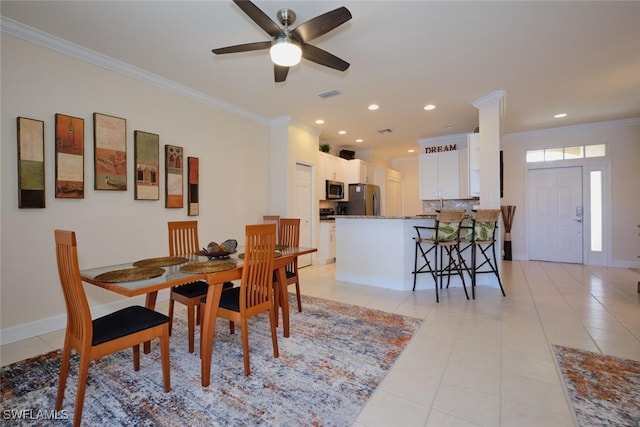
point(302, 206)
point(555, 214)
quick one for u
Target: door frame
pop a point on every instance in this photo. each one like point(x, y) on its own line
point(306, 259)
point(589, 257)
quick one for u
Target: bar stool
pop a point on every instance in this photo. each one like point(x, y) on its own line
point(443, 237)
point(483, 237)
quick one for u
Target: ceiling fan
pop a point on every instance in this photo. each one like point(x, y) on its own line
point(288, 46)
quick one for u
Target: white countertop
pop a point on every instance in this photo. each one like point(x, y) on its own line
point(424, 216)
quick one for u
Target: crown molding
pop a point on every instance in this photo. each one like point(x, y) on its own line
point(25, 32)
point(489, 99)
point(443, 139)
point(288, 121)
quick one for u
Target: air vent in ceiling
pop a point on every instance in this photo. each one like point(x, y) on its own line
point(384, 131)
point(329, 93)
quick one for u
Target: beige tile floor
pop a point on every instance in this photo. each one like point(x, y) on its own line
point(479, 363)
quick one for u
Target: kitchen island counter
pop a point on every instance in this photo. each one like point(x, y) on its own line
point(432, 216)
point(377, 250)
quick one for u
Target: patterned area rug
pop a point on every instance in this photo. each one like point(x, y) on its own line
point(334, 359)
point(604, 390)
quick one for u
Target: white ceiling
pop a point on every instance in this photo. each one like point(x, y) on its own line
point(580, 58)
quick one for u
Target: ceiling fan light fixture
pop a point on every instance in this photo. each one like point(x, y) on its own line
point(285, 53)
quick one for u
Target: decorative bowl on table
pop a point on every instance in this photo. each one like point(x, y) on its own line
point(219, 251)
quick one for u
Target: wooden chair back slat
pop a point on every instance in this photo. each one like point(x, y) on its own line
point(257, 272)
point(183, 237)
point(78, 312)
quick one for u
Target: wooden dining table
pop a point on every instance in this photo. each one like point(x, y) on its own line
point(173, 276)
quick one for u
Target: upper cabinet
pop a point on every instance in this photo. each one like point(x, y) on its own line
point(331, 168)
point(359, 172)
point(443, 168)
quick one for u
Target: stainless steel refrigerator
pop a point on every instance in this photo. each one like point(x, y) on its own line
point(364, 199)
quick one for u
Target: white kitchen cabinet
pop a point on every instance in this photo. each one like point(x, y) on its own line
point(439, 176)
point(342, 170)
point(473, 140)
point(359, 172)
point(331, 168)
point(327, 243)
point(335, 168)
point(444, 168)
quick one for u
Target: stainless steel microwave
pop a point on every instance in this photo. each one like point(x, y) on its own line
point(335, 190)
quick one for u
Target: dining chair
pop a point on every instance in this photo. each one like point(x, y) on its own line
point(183, 239)
point(443, 238)
point(128, 327)
point(290, 236)
point(482, 240)
point(255, 293)
point(273, 219)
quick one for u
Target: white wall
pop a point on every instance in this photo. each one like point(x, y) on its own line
point(111, 226)
point(623, 141)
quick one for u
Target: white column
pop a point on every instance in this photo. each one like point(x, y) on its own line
point(491, 111)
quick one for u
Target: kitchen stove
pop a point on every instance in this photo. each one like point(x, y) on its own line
point(325, 213)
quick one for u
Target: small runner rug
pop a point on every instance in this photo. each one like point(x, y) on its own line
point(334, 359)
point(603, 390)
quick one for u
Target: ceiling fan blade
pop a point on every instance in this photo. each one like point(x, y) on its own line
point(259, 17)
point(242, 47)
point(321, 24)
point(323, 57)
point(280, 73)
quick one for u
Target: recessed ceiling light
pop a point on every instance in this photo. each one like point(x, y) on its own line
point(359, 140)
point(342, 132)
point(373, 107)
point(319, 122)
point(429, 107)
point(411, 151)
point(560, 116)
point(447, 126)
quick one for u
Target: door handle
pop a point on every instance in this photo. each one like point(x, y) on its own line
point(578, 220)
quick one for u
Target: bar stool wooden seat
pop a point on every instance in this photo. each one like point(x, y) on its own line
point(443, 237)
point(482, 241)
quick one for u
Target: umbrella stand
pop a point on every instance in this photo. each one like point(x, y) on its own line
point(508, 212)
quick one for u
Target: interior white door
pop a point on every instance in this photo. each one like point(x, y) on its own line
point(302, 205)
point(554, 212)
point(394, 197)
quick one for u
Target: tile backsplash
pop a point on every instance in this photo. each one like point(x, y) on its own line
point(429, 206)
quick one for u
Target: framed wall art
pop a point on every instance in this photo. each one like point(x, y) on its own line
point(173, 173)
point(69, 157)
point(110, 152)
point(147, 160)
point(193, 207)
point(30, 163)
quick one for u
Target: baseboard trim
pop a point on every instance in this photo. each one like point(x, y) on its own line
point(43, 326)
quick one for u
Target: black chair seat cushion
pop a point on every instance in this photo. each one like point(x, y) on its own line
point(229, 299)
point(289, 275)
point(196, 289)
point(125, 322)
